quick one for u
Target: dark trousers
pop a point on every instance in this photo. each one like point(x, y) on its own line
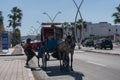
point(29, 55)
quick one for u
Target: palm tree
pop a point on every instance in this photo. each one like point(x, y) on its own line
point(80, 25)
point(1, 17)
point(17, 35)
point(15, 20)
point(2, 29)
point(117, 15)
point(66, 25)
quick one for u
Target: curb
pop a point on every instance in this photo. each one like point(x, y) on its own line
point(11, 54)
point(101, 52)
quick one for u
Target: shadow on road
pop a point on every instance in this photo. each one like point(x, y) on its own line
point(35, 68)
point(55, 71)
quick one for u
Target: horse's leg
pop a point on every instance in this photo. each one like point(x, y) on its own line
point(72, 61)
point(48, 56)
point(67, 62)
point(64, 58)
point(67, 58)
point(38, 63)
point(60, 59)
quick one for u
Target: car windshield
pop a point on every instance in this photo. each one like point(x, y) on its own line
point(108, 41)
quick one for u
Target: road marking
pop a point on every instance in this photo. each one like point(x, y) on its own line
point(96, 63)
point(77, 51)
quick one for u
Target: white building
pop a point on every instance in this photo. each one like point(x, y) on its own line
point(102, 29)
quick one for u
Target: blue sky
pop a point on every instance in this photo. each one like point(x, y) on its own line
point(92, 11)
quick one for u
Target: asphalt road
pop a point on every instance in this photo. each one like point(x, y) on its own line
point(98, 66)
point(87, 66)
point(105, 60)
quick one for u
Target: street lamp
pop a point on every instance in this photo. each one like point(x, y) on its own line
point(35, 30)
point(52, 19)
point(56, 15)
point(39, 24)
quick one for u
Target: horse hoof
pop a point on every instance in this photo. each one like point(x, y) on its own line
point(72, 70)
point(60, 68)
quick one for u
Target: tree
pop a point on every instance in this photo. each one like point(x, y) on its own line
point(17, 35)
point(116, 15)
point(66, 25)
point(79, 26)
point(2, 29)
point(38, 36)
point(1, 17)
point(15, 20)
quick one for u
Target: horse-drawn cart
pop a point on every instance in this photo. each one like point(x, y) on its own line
point(51, 43)
point(50, 35)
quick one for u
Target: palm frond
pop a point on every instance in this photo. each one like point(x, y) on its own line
point(116, 15)
point(116, 21)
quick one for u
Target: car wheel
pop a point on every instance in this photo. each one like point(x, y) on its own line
point(95, 47)
point(105, 48)
point(111, 48)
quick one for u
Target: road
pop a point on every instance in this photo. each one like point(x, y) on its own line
point(98, 66)
point(105, 60)
point(87, 66)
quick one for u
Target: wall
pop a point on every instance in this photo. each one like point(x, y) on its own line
point(100, 29)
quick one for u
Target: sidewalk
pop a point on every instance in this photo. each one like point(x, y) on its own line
point(12, 67)
point(17, 50)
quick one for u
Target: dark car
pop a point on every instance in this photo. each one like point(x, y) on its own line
point(88, 43)
point(103, 44)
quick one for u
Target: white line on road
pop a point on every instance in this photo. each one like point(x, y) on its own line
point(97, 63)
point(78, 51)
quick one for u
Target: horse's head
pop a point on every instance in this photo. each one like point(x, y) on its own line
point(70, 42)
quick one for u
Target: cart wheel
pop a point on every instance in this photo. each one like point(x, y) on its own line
point(44, 61)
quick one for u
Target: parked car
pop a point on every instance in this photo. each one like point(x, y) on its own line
point(88, 43)
point(103, 44)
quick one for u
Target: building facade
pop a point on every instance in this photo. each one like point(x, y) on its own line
point(102, 29)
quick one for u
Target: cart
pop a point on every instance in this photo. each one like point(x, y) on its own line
point(50, 37)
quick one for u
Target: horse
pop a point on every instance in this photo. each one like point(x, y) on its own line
point(65, 48)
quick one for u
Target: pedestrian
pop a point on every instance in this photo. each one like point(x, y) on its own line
point(29, 51)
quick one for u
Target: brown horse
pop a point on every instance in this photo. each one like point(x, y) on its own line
point(64, 49)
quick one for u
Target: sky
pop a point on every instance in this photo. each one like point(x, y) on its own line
point(94, 11)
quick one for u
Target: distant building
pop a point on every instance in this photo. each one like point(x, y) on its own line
point(102, 29)
point(32, 37)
